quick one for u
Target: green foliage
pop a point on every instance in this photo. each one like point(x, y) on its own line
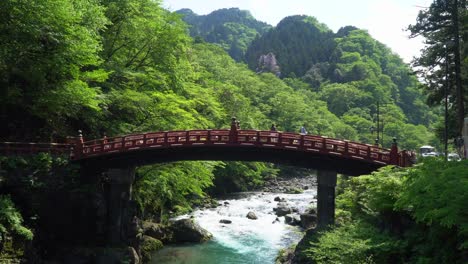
point(242, 176)
point(436, 193)
point(48, 48)
point(11, 221)
point(354, 243)
point(162, 187)
point(395, 215)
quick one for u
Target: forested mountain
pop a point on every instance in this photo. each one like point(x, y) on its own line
point(233, 29)
point(298, 42)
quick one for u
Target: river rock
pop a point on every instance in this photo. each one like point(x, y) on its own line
point(225, 221)
point(277, 199)
point(292, 219)
point(252, 216)
point(308, 220)
point(186, 230)
point(133, 257)
point(148, 246)
point(157, 231)
point(283, 209)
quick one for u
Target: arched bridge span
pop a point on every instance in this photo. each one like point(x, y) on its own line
point(312, 151)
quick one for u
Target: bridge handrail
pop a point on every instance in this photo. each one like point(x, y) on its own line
point(246, 137)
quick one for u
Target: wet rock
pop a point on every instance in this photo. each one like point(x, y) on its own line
point(283, 209)
point(252, 216)
point(292, 219)
point(225, 221)
point(186, 230)
point(308, 220)
point(157, 231)
point(133, 257)
point(226, 203)
point(277, 199)
point(148, 246)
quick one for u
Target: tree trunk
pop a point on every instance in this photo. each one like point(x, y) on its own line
point(458, 82)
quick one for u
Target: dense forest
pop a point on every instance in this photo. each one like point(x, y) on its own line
point(116, 67)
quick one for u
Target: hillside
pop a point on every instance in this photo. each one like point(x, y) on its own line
point(233, 29)
point(357, 76)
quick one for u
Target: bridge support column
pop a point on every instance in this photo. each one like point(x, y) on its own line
point(121, 210)
point(326, 198)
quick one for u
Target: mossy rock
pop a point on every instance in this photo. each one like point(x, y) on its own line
point(294, 190)
point(148, 246)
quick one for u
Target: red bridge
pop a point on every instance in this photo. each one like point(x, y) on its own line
point(312, 151)
point(114, 160)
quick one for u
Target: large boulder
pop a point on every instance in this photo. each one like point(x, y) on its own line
point(283, 209)
point(186, 230)
point(148, 246)
point(157, 231)
point(292, 219)
point(308, 220)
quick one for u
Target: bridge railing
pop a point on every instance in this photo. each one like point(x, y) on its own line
point(254, 138)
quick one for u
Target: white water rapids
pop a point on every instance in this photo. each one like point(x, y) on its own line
point(244, 240)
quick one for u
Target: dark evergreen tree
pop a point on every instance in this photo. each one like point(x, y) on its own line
point(443, 25)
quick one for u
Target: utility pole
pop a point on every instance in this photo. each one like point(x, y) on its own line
point(378, 124)
point(446, 87)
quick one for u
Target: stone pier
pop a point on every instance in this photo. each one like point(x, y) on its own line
point(121, 210)
point(326, 180)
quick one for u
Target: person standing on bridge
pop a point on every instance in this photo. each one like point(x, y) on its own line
point(303, 130)
point(273, 127)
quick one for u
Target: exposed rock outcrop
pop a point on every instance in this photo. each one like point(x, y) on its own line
point(268, 63)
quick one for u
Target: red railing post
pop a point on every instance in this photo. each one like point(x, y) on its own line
point(394, 157)
point(233, 131)
point(79, 145)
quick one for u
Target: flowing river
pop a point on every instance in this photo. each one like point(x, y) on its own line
point(244, 240)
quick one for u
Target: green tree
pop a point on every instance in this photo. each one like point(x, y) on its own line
point(443, 27)
point(49, 54)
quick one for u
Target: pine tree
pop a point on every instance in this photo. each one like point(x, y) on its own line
point(440, 62)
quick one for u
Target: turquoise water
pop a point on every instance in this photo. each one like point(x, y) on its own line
point(211, 253)
point(245, 240)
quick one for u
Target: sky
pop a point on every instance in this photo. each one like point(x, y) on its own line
point(385, 20)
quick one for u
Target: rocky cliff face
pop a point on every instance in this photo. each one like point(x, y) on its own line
point(268, 63)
